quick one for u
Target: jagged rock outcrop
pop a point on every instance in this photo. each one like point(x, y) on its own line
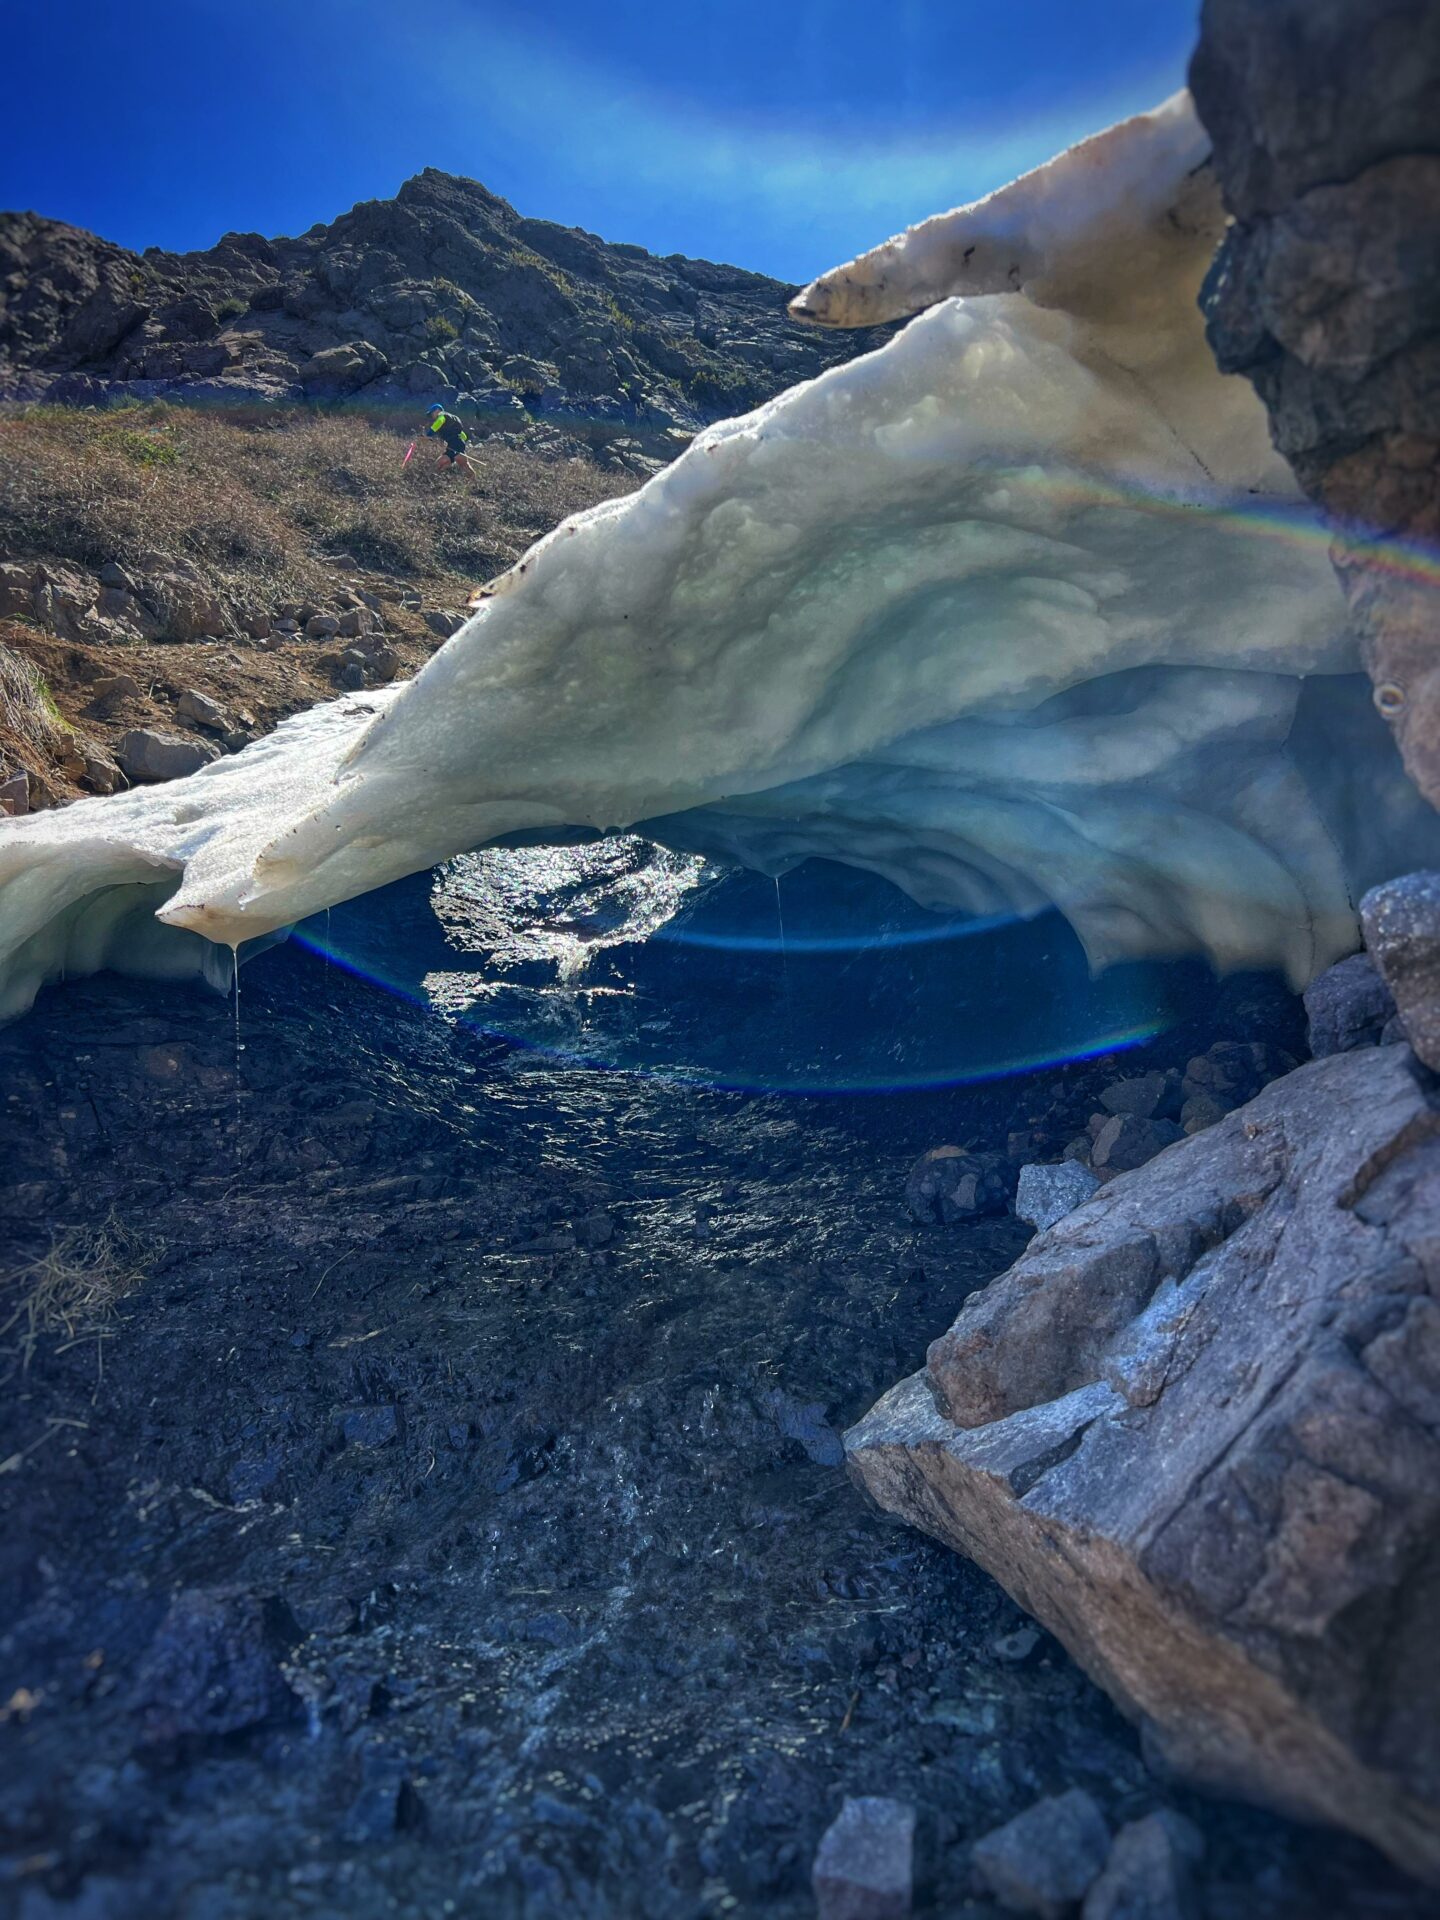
point(1402, 929)
point(1325, 116)
point(1196, 1431)
point(443, 291)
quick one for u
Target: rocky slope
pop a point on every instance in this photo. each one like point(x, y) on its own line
point(1325, 116)
point(443, 292)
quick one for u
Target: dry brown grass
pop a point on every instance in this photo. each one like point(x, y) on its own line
point(71, 1292)
point(264, 502)
point(32, 732)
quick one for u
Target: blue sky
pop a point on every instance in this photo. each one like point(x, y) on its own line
point(783, 135)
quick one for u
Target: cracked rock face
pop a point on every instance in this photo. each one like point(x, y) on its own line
point(1195, 1430)
point(1325, 116)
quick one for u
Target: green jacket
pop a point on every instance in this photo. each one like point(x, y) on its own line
point(450, 430)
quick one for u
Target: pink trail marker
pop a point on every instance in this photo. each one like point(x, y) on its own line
point(408, 451)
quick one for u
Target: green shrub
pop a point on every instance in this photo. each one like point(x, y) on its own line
point(617, 313)
point(440, 328)
point(145, 449)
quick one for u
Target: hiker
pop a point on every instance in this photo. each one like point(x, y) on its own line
point(449, 429)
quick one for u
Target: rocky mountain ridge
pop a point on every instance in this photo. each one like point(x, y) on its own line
point(443, 292)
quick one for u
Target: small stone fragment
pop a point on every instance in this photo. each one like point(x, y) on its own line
point(864, 1867)
point(594, 1230)
point(111, 688)
point(1045, 1860)
point(101, 775)
point(1126, 1141)
point(199, 707)
point(1047, 1193)
point(1017, 1646)
point(322, 626)
point(1201, 1111)
point(1150, 1874)
point(370, 1426)
point(1143, 1094)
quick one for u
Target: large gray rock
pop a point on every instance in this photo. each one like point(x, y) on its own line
point(1044, 1860)
point(1047, 1193)
point(1347, 1006)
point(145, 754)
point(1402, 930)
point(864, 1866)
point(1196, 1431)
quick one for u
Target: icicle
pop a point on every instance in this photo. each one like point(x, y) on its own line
point(784, 951)
point(239, 1049)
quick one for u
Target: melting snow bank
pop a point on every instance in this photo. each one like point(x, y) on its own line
point(998, 611)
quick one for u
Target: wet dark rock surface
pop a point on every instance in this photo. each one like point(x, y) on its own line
point(452, 1520)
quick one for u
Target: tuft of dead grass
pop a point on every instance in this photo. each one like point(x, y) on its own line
point(72, 1291)
point(31, 730)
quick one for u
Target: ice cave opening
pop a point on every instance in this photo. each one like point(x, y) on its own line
point(1020, 613)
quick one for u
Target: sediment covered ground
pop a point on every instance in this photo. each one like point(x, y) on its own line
point(451, 1517)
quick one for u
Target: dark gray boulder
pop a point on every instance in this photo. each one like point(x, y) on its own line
point(145, 754)
point(1195, 1430)
point(214, 1667)
point(1045, 1859)
point(947, 1185)
point(1402, 930)
point(1150, 1874)
point(1347, 1006)
point(864, 1867)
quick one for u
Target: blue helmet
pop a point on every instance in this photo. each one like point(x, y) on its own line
point(437, 408)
